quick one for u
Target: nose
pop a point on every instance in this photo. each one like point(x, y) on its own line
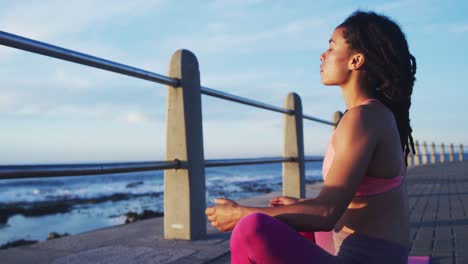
point(322, 57)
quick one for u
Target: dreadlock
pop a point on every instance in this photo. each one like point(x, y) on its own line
point(389, 65)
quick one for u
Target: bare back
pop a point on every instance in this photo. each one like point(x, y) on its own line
point(384, 215)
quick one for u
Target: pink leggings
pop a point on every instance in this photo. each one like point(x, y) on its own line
point(259, 238)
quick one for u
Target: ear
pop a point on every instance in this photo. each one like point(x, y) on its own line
point(356, 62)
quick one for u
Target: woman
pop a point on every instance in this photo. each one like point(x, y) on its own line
point(363, 202)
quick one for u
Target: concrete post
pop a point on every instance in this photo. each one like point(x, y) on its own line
point(184, 189)
point(417, 156)
point(451, 153)
point(460, 153)
point(409, 160)
point(433, 157)
point(337, 117)
point(424, 153)
point(442, 153)
point(293, 172)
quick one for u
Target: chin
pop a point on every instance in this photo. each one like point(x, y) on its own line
point(324, 81)
point(327, 82)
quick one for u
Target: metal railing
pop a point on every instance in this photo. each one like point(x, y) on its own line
point(34, 46)
point(424, 157)
point(61, 170)
point(38, 47)
point(184, 160)
point(18, 42)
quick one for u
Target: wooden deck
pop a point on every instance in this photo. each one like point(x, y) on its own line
point(438, 199)
point(438, 196)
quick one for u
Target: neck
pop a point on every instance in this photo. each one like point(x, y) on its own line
point(354, 93)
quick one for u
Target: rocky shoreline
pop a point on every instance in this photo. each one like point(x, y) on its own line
point(130, 217)
point(66, 205)
point(31, 209)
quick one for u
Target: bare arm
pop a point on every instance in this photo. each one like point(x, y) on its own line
point(354, 143)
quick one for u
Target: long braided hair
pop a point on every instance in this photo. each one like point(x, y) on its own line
point(388, 63)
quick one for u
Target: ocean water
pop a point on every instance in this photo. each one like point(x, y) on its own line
point(32, 208)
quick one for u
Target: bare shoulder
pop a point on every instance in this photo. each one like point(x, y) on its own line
point(363, 124)
point(363, 118)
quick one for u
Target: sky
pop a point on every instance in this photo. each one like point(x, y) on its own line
point(53, 111)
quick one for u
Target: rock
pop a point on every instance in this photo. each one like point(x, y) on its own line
point(54, 235)
point(18, 243)
point(134, 184)
point(255, 187)
point(131, 217)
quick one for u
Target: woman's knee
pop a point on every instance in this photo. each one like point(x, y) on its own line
point(249, 231)
point(253, 223)
point(252, 227)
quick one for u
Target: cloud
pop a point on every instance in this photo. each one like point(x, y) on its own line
point(298, 34)
point(135, 117)
point(391, 6)
point(228, 138)
point(47, 19)
point(72, 82)
point(229, 4)
point(254, 83)
point(458, 28)
point(52, 20)
point(65, 110)
point(6, 52)
point(216, 27)
point(8, 101)
point(233, 8)
point(132, 115)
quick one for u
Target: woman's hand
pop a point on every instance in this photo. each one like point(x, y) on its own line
point(224, 215)
point(283, 200)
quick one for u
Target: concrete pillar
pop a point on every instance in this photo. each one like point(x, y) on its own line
point(442, 153)
point(460, 153)
point(409, 160)
point(293, 172)
point(184, 189)
point(451, 153)
point(417, 156)
point(424, 153)
point(433, 157)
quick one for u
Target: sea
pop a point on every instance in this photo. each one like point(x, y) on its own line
point(33, 208)
point(30, 209)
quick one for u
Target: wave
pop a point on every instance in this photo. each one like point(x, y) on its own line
point(40, 208)
point(225, 180)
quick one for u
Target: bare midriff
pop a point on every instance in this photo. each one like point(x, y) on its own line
point(383, 216)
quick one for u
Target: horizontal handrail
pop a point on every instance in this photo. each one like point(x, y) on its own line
point(35, 46)
point(318, 120)
point(59, 170)
point(313, 159)
point(252, 161)
point(242, 100)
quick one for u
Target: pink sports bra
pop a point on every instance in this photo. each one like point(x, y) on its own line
point(369, 185)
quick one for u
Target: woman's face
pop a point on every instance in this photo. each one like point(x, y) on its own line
point(334, 69)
